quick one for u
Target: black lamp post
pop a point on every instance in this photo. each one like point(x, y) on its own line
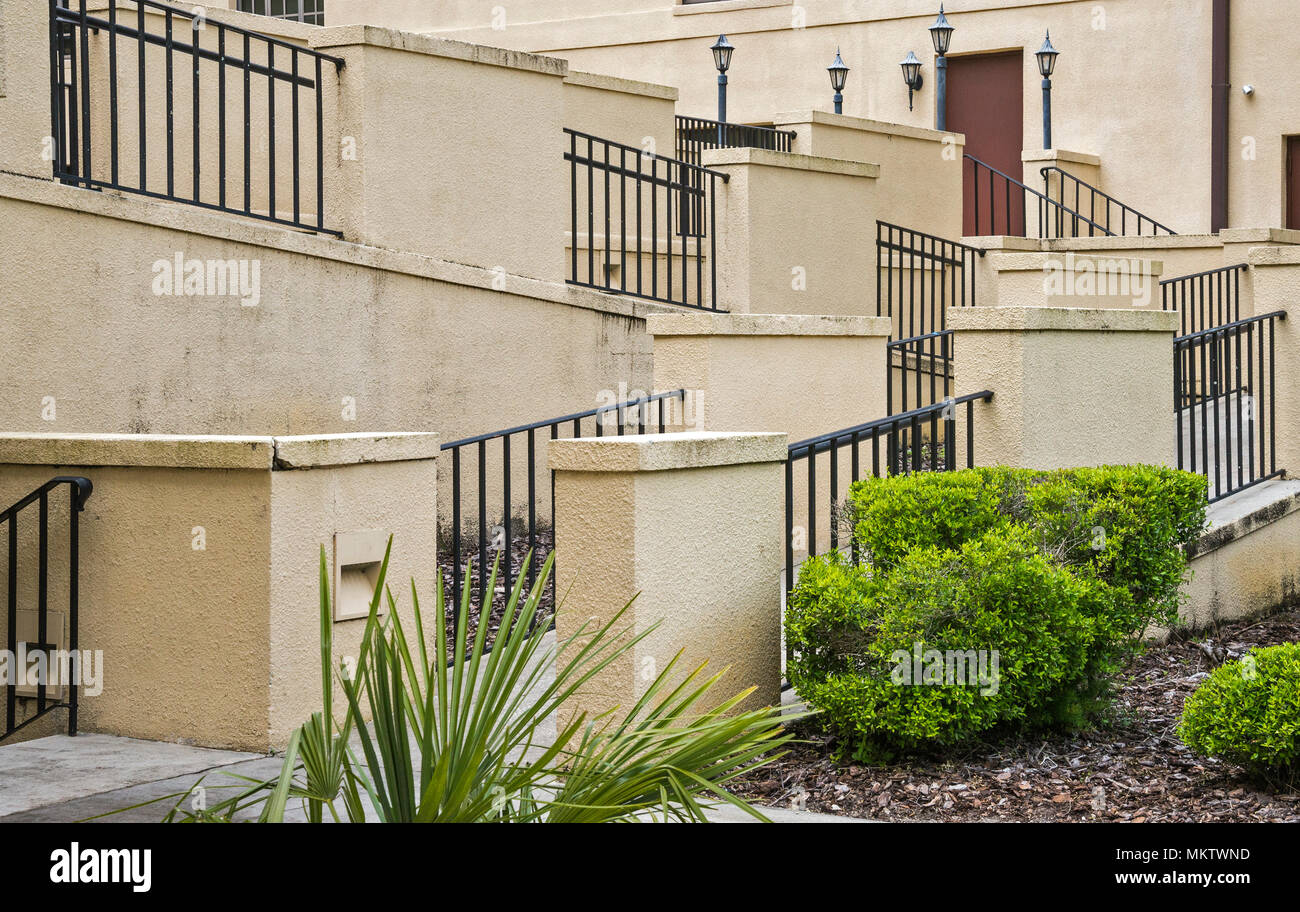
point(839, 75)
point(941, 34)
point(911, 75)
point(722, 51)
point(1046, 65)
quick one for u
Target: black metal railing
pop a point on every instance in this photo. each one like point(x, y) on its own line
point(921, 440)
point(649, 223)
point(999, 205)
point(924, 365)
point(1205, 299)
point(505, 521)
point(919, 276)
point(1225, 403)
point(695, 134)
point(23, 644)
point(185, 108)
point(1074, 196)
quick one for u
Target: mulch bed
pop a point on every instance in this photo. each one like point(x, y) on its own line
point(518, 552)
point(1133, 769)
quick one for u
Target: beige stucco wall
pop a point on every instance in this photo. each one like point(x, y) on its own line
point(1072, 280)
point(689, 524)
point(796, 234)
point(344, 338)
point(1072, 387)
point(799, 375)
point(633, 113)
point(920, 169)
point(1144, 129)
point(217, 645)
point(1249, 561)
point(451, 140)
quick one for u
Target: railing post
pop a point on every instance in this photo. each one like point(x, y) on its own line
point(1050, 367)
point(691, 526)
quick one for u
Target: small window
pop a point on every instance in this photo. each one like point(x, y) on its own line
point(310, 11)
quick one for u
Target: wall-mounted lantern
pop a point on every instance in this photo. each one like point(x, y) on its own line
point(941, 35)
point(1046, 65)
point(912, 76)
point(839, 76)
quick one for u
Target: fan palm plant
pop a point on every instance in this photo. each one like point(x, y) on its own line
point(452, 733)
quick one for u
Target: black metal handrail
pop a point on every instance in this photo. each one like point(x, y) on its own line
point(669, 206)
point(646, 414)
point(1205, 300)
point(925, 366)
point(919, 276)
point(695, 134)
point(248, 54)
point(80, 488)
point(1050, 211)
point(1220, 374)
point(1108, 202)
point(906, 451)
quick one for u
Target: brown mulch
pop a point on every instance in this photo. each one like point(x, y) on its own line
point(518, 553)
point(1132, 769)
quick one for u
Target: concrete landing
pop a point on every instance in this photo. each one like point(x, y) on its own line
point(70, 774)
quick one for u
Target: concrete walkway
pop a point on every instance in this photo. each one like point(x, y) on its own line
point(60, 779)
point(64, 780)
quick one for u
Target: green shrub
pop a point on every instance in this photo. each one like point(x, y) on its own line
point(1061, 572)
point(1248, 713)
point(996, 595)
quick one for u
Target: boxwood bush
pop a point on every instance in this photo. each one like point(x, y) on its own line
point(1248, 713)
point(1058, 572)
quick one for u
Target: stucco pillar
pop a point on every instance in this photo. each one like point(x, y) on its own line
point(800, 375)
point(1071, 387)
point(795, 233)
point(25, 143)
point(199, 568)
point(1276, 278)
point(1084, 166)
point(457, 181)
point(1075, 280)
point(920, 169)
point(691, 526)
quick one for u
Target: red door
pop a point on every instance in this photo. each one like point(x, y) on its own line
point(1293, 182)
point(986, 102)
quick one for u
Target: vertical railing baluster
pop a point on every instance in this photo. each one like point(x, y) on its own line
point(508, 545)
point(112, 93)
point(42, 597)
point(171, 121)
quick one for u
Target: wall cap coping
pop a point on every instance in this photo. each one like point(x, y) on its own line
point(311, 451)
point(1260, 235)
point(1063, 319)
point(1003, 242)
point(1274, 256)
point(794, 325)
point(180, 451)
point(1038, 262)
point(619, 84)
point(341, 36)
point(713, 158)
point(665, 452)
point(1060, 155)
point(866, 125)
point(1247, 511)
point(1144, 242)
